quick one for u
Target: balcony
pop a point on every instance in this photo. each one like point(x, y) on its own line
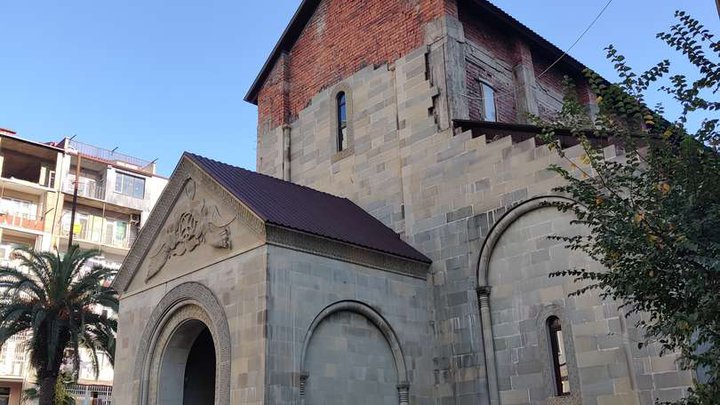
point(94, 238)
point(86, 188)
point(27, 166)
point(12, 357)
point(21, 221)
point(95, 230)
point(20, 213)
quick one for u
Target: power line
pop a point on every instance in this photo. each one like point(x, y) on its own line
point(564, 54)
point(578, 39)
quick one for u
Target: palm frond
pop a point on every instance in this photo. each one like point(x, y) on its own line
point(57, 298)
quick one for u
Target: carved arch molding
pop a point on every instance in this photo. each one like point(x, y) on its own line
point(379, 322)
point(187, 302)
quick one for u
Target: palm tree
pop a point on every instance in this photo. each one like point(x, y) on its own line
point(57, 299)
point(62, 396)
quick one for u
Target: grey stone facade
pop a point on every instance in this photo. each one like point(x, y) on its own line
point(391, 311)
point(316, 322)
point(445, 192)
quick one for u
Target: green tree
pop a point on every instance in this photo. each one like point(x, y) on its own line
point(653, 213)
point(57, 298)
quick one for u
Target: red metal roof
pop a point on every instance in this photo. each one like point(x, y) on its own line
point(304, 209)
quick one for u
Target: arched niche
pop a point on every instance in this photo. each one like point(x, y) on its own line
point(497, 231)
point(484, 288)
point(175, 324)
point(383, 327)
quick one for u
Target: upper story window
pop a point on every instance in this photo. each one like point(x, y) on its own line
point(342, 135)
point(559, 359)
point(487, 93)
point(132, 186)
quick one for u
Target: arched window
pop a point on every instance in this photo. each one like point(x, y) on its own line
point(559, 359)
point(342, 138)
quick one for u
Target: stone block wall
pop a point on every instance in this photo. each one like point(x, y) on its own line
point(239, 285)
point(349, 362)
point(524, 297)
point(301, 289)
point(605, 365)
point(440, 190)
point(444, 191)
point(368, 172)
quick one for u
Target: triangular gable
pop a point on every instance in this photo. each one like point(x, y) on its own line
point(195, 223)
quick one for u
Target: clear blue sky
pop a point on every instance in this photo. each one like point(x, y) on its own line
point(158, 77)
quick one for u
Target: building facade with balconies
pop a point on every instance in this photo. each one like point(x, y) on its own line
point(115, 194)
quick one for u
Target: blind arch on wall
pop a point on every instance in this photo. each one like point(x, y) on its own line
point(376, 319)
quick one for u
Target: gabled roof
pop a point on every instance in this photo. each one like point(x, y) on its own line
point(307, 8)
point(299, 208)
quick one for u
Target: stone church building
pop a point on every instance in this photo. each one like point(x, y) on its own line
point(392, 248)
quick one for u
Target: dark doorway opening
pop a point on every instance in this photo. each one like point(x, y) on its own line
point(199, 381)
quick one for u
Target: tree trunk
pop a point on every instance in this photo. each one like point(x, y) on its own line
point(47, 390)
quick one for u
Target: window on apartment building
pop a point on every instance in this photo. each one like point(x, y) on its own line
point(559, 359)
point(132, 186)
point(487, 93)
point(116, 233)
point(4, 395)
point(342, 136)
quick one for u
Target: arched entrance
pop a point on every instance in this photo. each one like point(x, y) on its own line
point(187, 369)
point(186, 335)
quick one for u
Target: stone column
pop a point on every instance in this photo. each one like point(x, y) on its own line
point(303, 382)
point(483, 294)
point(286, 131)
point(404, 393)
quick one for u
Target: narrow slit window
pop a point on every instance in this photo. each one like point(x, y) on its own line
point(341, 122)
point(559, 359)
point(488, 101)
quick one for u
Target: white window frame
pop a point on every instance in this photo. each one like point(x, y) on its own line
point(119, 176)
point(484, 84)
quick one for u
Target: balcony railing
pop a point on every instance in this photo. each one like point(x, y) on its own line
point(89, 189)
point(108, 155)
point(21, 221)
point(107, 238)
point(83, 394)
point(13, 356)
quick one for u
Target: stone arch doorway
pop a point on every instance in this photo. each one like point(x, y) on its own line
point(187, 369)
point(188, 330)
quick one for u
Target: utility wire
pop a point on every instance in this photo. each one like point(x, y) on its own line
point(578, 39)
point(559, 59)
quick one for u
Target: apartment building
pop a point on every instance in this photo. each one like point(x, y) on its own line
point(115, 194)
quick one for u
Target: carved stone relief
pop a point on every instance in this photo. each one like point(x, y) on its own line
point(197, 222)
